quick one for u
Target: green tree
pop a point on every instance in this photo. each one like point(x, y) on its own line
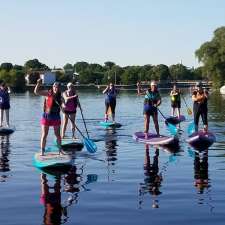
point(6, 66)
point(17, 79)
point(212, 55)
point(34, 64)
point(80, 66)
point(109, 64)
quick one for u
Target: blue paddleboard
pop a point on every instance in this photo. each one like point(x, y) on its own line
point(51, 158)
point(110, 124)
point(6, 130)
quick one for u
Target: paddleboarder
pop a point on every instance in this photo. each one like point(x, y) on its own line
point(51, 114)
point(110, 101)
point(70, 108)
point(200, 106)
point(151, 101)
point(4, 103)
point(175, 96)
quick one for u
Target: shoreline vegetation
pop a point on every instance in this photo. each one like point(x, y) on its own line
point(93, 75)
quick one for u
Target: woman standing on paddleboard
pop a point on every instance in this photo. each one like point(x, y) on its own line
point(70, 108)
point(175, 100)
point(4, 103)
point(151, 102)
point(51, 114)
point(110, 101)
point(200, 108)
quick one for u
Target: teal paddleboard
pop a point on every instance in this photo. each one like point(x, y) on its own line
point(51, 158)
point(110, 124)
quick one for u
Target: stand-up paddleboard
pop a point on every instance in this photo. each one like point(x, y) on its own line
point(154, 139)
point(55, 171)
point(52, 158)
point(175, 119)
point(110, 124)
point(201, 140)
point(71, 144)
point(6, 130)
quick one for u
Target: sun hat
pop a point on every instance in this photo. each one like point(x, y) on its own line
point(153, 83)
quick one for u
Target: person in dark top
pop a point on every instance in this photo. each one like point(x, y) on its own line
point(110, 101)
point(51, 114)
point(4, 103)
point(200, 106)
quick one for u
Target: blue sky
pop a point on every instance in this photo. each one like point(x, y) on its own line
point(127, 32)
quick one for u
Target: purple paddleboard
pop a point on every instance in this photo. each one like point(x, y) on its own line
point(154, 139)
point(201, 140)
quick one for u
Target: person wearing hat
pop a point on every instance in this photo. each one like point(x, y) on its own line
point(200, 106)
point(51, 114)
point(175, 100)
point(70, 108)
point(151, 101)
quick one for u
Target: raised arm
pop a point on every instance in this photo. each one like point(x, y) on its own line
point(37, 90)
point(106, 89)
point(140, 91)
point(66, 98)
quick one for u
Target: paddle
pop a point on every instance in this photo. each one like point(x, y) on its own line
point(189, 111)
point(81, 111)
point(89, 144)
point(191, 128)
point(172, 128)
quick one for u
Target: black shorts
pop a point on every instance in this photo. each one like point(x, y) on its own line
point(70, 112)
point(111, 104)
point(176, 105)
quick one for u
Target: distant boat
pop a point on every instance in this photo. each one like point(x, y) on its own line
point(222, 90)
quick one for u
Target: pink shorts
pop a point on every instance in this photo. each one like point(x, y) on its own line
point(52, 123)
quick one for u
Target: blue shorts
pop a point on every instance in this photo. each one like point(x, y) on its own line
point(149, 110)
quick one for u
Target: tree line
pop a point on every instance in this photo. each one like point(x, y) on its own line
point(211, 54)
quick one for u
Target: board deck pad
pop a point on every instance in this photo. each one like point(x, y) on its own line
point(51, 159)
point(154, 139)
point(110, 124)
point(201, 140)
point(71, 144)
point(175, 119)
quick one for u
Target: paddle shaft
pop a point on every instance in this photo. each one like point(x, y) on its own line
point(73, 122)
point(81, 111)
point(185, 102)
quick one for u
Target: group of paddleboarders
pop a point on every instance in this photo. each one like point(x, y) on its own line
point(152, 100)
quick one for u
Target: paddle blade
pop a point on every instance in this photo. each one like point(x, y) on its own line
point(172, 128)
point(189, 111)
point(191, 128)
point(90, 145)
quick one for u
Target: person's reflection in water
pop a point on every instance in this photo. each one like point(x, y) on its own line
point(51, 199)
point(153, 178)
point(201, 171)
point(111, 150)
point(4, 154)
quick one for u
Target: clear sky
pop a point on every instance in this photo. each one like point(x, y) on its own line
point(127, 32)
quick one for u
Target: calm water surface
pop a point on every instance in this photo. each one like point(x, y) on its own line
point(124, 182)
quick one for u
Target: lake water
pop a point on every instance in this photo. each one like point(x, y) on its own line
point(124, 182)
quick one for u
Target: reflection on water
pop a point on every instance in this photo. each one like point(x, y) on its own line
point(4, 157)
point(54, 184)
point(111, 151)
point(153, 178)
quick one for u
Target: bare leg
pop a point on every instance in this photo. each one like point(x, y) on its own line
point(7, 117)
point(178, 112)
point(113, 117)
point(44, 134)
point(172, 111)
point(58, 137)
point(1, 117)
point(65, 122)
point(146, 124)
point(72, 120)
point(155, 120)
